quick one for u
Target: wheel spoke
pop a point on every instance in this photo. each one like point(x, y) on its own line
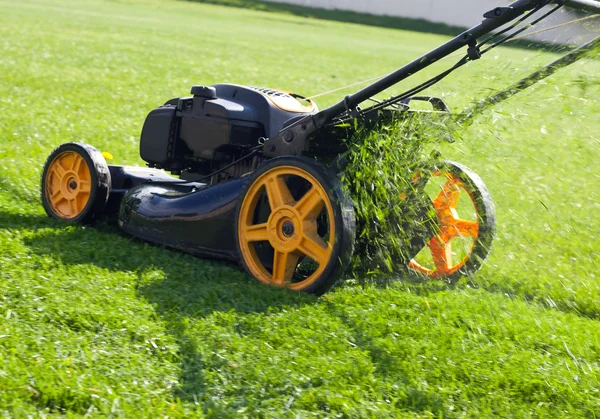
point(56, 197)
point(56, 194)
point(315, 248)
point(256, 233)
point(310, 205)
point(278, 192)
point(84, 186)
point(441, 252)
point(76, 164)
point(74, 206)
point(284, 266)
point(464, 228)
point(415, 266)
point(448, 196)
point(58, 169)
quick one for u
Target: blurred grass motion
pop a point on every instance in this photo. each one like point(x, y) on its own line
point(96, 323)
point(392, 213)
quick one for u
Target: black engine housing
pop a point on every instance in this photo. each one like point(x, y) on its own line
point(218, 123)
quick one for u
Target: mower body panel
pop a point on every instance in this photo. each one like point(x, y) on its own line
point(123, 178)
point(191, 217)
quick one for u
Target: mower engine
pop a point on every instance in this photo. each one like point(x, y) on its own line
point(198, 135)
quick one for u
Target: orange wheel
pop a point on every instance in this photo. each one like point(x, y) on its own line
point(75, 183)
point(295, 226)
point(466, 225)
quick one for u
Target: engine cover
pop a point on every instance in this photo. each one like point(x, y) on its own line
point(221, 118)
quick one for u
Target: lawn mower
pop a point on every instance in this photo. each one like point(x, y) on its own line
point(254, 171)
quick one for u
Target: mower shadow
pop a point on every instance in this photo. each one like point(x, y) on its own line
point(188, 284)
point(180, 287)
point(183, 288)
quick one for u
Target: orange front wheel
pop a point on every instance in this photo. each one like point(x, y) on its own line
point(466, 224)
point(295, 226)
point(75, 183)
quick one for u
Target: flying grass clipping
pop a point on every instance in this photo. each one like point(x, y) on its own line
point(384, 170)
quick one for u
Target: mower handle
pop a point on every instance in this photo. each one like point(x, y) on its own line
point(291, 140)
point(591, 6)
point(494, 19)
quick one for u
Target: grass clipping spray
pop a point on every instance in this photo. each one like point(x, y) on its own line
point(384, 171)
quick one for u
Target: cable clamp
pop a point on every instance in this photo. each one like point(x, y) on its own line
point(496, 13)
point(354, 112)
point(473, 52)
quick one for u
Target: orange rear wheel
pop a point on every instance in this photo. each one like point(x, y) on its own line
point(465, 225)
point(295, 227)
point(75, 183)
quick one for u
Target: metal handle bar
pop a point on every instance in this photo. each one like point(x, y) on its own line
point(493, 20)
point(591, 6)
point(292, 138)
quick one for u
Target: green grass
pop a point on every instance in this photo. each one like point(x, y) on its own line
point(95, 322)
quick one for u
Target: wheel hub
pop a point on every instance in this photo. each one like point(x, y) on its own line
point(285, 229)
point(68, 185)
point(288, 229)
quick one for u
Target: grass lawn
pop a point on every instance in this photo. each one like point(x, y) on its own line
point(95, 323)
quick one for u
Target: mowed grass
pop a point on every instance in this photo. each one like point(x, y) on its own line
point(93, 322)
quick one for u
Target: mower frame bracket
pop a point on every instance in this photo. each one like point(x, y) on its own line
point(290, 141)
point(496, 12)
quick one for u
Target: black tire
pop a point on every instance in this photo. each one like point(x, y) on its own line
point(91, 203)
point(485, 218)
point(343, 217)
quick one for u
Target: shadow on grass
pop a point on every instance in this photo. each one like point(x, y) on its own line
point(382, 21)
point(191, 285)
point(185, 289)
point(188, 288)
point(199, 287)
